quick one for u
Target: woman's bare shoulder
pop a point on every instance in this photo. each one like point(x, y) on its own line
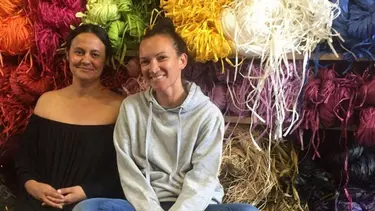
point(46, 102)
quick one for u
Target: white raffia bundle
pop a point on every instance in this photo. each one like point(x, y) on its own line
point(270, 30)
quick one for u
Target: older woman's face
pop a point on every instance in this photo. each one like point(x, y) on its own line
point(87, 57)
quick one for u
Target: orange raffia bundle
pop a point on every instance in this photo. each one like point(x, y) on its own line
point(10, 7)
point(198, 23)
point(17, 35)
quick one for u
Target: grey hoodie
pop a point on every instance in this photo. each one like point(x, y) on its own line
point(170, 154)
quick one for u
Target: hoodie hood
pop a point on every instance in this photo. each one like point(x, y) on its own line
point(194, 99)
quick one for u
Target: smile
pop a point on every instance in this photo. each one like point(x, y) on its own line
point(87, 69)
point(157, 77)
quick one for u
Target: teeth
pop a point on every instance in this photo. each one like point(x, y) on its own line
point(157, 77)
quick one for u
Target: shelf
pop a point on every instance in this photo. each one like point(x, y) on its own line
point(322, 57)
point(246, 121)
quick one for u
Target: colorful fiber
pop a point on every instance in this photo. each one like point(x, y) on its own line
point(10, 7)
point(53, 20)
point(134, 85)
point(366, 129)
point(271, 30)
point(356, 26)
point(219, 96)
point(198, 23)
point(16, 35)
point(13, 117)
point(27, 84)
point(133, 68)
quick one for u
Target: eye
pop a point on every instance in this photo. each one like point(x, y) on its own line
point(162, 57)
point(78, 52)
point(95, 55)
point(144, 62)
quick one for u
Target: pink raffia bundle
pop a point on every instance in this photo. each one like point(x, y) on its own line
point(237, 96)
point(365, 134)
point(219, 96)
point(52, 24)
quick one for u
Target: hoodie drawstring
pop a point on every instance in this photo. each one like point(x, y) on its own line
point(179, 131)
point(148, 140)
point(148, 137)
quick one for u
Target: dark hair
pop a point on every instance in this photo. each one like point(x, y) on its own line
point(164, 26)
point(95, 29)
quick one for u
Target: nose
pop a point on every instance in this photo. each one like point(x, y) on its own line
point(85, 59)
point(154, 66)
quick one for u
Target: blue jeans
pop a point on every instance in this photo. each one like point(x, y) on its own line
point(104, 204)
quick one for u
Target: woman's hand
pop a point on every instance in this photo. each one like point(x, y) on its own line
point(72, 194)
point(45, 193)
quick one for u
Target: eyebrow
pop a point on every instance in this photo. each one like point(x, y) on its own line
point(94, 50)
point(145, 57)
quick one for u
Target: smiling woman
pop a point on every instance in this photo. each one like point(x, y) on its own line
point(169, 138)
point(67, 153)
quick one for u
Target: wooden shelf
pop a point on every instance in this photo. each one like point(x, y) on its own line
point(246, 121)
point(322, 57)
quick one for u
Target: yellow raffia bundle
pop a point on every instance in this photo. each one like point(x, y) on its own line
point(198, 23)
point(272, 30)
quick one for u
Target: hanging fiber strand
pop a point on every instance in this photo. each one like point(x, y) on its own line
point(272, 30)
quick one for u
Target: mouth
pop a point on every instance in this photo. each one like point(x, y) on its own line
point(156, 78)
point(87, 69)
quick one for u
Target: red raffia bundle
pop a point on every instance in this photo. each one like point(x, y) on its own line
point(114, 79)
point(365, 134)
point(367, 91)
point(310, 115)
point(134, 85)
point(14, 117)
point(133, 67)
point(62, 76)
point(27, 83)
point(329, 100)
point(5, 72)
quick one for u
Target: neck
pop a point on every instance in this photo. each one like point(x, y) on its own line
point(82, 89)
point(171, 97)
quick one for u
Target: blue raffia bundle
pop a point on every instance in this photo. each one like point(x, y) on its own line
point(356, 25)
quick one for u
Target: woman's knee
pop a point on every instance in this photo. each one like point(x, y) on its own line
point(103, 204)
point(242, 207)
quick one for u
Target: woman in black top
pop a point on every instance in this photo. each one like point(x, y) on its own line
point(67, 153)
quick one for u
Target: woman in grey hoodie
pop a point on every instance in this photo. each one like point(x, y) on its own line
point(169, 138)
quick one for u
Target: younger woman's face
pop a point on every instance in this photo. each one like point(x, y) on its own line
point(160, 64)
